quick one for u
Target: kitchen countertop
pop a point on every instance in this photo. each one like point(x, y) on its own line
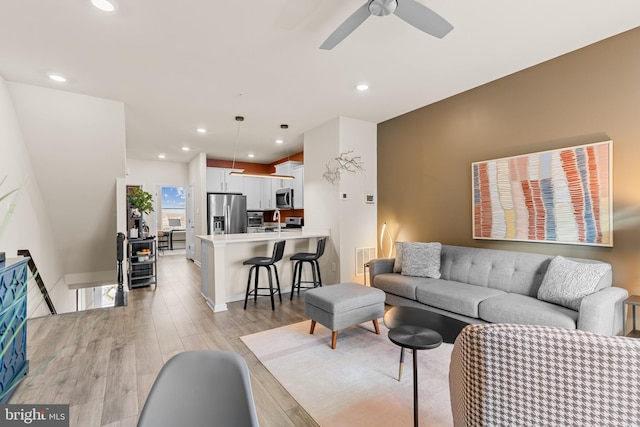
point(222, 255)
point(289, 234)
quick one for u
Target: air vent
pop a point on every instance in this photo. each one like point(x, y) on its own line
point(363, 256)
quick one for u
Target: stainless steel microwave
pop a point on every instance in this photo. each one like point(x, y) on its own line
point(284, 198)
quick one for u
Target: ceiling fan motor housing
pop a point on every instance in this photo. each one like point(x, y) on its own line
point(413, 13)
point(382, 7)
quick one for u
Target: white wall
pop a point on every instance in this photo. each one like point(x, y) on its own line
point(352, 222)
point(152, 174)
point(77, 148)
point(24, 223)
point(358, 219)
point(198, 178)
point(321, 198)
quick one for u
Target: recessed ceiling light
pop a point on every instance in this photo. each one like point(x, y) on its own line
point(362, 87)
point(251, 155)
point(186, 148)
point(57, 78)
point(201, 130)
point(104, 5)
point(279, 141)
point(162, 156)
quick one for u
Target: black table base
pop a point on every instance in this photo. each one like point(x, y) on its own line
point(415, 338)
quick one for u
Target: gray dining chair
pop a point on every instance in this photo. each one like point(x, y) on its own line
point(201, 388)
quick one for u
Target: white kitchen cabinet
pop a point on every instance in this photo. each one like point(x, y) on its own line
point(234, 184)
point(261, 193)
point(219, 181)
point(298, 187)
point(286, 168)
point(269, 193)
point(253, 190)
point(215, 180)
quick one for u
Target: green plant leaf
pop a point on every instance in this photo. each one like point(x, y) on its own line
point(142, 200)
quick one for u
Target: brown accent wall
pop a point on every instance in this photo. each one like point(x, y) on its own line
point(248, 167)
point(590, 95)
point(298, 157)
point(254, 167)
point(284, 214)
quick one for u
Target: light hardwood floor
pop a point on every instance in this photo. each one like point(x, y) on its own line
point(103, 362)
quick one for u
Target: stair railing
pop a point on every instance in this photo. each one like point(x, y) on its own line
point(38, 279)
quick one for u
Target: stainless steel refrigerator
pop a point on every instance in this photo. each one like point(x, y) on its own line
point(226, 213)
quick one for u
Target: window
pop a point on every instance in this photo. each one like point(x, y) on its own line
point(172, 212)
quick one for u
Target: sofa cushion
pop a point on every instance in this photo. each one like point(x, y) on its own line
point(421, 259)
point(454, 296)
point(396, 284)
point(567, 282)
point(505, 270)
point(521, 309)
point(397, 264)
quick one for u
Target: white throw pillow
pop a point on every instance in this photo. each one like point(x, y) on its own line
point(421, 259)
point(566, 282)
point(397, 264)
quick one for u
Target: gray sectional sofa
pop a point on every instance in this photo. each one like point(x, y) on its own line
point(493, 286)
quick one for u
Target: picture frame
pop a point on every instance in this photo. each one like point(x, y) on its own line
point(555, 196)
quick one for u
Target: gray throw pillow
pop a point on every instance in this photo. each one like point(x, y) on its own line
point(566, 282)
point(421, 259)
point(397, 264)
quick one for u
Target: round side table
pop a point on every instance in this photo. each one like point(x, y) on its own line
point(446, 326)
point(415, 338)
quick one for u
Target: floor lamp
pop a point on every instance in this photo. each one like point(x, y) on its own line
point(384, 233)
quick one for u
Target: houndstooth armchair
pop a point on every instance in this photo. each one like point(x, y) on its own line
point(525, 375)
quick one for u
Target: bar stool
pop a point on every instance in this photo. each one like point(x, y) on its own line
point(260, 261)
point(312, 258)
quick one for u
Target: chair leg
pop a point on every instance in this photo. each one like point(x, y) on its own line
point(313, 327)
point(375, 325)
point(275, 268)
point(334, 338)
point(246, 296)
point(255, 285)
point(293, 282)
point(318, 268)
point(273, 306)
point(313, 271)
point(299, 280)
point(401, 362)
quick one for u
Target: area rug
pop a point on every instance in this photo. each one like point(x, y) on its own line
point(355, 384)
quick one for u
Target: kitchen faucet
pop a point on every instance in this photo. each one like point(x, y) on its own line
point(276, 215)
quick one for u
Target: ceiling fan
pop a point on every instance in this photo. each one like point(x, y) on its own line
point(410, 11)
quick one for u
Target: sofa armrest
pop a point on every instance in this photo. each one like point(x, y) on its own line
point(379, 266)
point(601, 312)
point(532, 375)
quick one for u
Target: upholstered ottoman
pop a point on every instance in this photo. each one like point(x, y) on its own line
point(343, 305)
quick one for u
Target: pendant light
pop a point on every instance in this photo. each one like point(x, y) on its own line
point(284, 127)
point(233, 172)
point(239, 119)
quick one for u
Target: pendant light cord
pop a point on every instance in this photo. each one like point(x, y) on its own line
point(285, 127)
point(239, 119)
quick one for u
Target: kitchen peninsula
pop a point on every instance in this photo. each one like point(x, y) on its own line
point(224, 278)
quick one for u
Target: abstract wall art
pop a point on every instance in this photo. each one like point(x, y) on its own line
point(556, 196)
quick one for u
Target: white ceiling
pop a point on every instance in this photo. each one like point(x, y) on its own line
point(178, 65)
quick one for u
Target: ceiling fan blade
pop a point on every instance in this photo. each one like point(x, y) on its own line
point(347, 27)
point(423, 18)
